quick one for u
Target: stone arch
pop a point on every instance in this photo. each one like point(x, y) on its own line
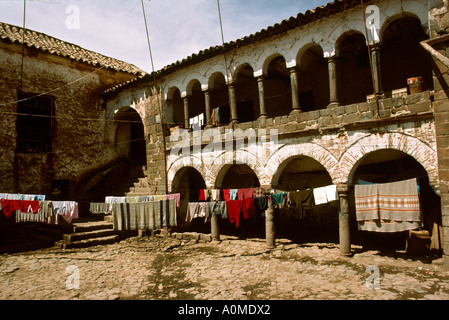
point(227, 158)
point(180, 164)
point(311, 150)
point(421, 151)
point(389, 20)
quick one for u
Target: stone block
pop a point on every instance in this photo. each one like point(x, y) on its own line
point(387, 103)
point(420, 107)
point(441, 106)
point(206, 237)
point(313, 115)
point(351, 118)
point(339, 110)
point(352, 108)
point(362, 107)
point(325, 112)
point(385, 113)
point(368, 115)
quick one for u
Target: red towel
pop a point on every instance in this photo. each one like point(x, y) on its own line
point(245, 193)
point(8, 206)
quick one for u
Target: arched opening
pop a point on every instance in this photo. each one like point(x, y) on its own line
point(188, 182)
point(402, 56)
point(175, 111)
point(197, 103)
point(313, 79)
point(130, 136)
point(219, 100)
point(385, 166)
point(316, 222)
point(246, 94)
point(278, 92)
point(354, 69)
point(240, 176)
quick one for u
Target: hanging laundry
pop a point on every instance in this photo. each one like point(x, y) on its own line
point(204, 195)
point(99, 208)
point(258, 192)
point(68, 210)
point(248, 208)
point(176, 196)
point(261, 205)
point(278, 198)
point(243, 194)
point(9, 206)
point(144, 215)
point(218, 207)
point(45, 214)
point(233, 193)
point(197, 210)
point(215, 194)
point(300, 202)
point(234, 208)
point(226, 195)
point(111, 199)
point(325, 194)
point(388, 207)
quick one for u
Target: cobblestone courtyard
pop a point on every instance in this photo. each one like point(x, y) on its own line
point(158, 268)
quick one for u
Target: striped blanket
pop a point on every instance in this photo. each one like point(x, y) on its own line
point(388, 207)
point(144, 215)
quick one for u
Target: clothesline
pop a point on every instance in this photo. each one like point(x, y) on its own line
point(39, 211)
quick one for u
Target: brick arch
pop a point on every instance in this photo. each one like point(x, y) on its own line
point(279, 158)
point(182, 163)
point(422, 152)
point(217, 169)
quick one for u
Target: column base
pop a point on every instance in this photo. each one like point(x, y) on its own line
point(334, 104)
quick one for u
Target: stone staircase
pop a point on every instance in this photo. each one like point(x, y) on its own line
point(136, 185)
point(87, 233)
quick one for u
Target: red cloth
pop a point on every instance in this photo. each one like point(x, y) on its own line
point(243, 194)
point(234, 207)
point(9, 206)
point(202, 195)
point(226, 195)
point(248, 207)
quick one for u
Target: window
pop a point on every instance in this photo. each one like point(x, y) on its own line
point(34, 123)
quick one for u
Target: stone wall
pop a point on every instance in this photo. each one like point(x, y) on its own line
point(79, 144)
point(440, 26)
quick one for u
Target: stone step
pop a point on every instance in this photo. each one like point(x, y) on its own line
point(92, 226)
point(87, 242)
point(72, 237)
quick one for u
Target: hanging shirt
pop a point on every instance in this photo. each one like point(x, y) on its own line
point(278, 198)
point(226, 195)
point(234, 209)
point(215, 194)
point(301, 201)
point(218, 207)
point(68, 210)
point(248, 208)
point(197, 210)
point(176, 196)
point(261, 205)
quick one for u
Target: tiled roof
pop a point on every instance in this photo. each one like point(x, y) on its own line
point(300, 20)
point(61, 48)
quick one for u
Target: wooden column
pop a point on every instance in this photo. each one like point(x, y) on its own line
point(208, 111)
point(186, 113)
point(377, 75)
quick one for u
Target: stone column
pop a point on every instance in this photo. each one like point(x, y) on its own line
point(233, 103)
point(295, 92)
point(208, 112)
point(263, 111)
point(269, 226)
point(377, 75)
point(333, 81)
point(215, 227)
point(343, 219)
point(186, 112)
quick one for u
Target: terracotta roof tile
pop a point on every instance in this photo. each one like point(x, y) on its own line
point(61, 48)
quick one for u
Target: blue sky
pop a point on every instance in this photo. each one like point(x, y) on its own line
point(177, 28)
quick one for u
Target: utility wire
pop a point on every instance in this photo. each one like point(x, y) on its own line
point(23, 44)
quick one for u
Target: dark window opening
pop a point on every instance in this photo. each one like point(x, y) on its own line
point(34, 123)
point(306, 101)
